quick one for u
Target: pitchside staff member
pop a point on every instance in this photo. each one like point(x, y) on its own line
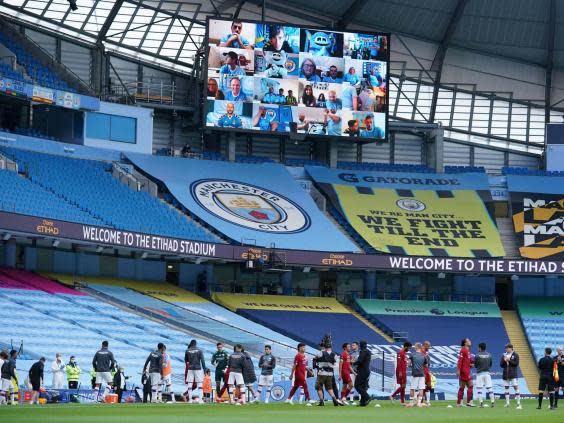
point(546, 380)
point(363, 373)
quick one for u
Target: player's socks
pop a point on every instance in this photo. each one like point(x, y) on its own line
point(267, 399)
point(518, 397)
point(470, 394)
point(402, 396)
point(243, 395)
point(301, 398)
point(172, 398)
point(551, 399)
point(460, 395)
point(230, 396)
point(189, 394)
point(540, 400)
point(396, 392)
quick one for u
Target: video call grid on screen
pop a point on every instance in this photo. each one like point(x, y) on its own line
point(277, 78)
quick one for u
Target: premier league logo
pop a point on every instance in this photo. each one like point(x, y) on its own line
point(249, 206)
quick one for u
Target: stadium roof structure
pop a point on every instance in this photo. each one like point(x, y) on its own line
point(521, 32)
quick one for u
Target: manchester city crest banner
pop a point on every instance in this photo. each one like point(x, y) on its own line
point(537, 204)
point(259, 204)
point(415, 214)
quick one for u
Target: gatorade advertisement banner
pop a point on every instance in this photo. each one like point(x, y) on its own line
point(415, 214)
point(537, 208)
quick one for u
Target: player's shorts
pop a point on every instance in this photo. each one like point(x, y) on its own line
point(324, 382)
point(195, 376)
point(483, 380)
point(465, 377)
point(6, 385)
point(104, 377)
point(266, 380)
point(155, 378)
point(546, 384)
point(418, 383)
point(511, 382)
point(347, 379)
point(167, 380)
point(236, 379)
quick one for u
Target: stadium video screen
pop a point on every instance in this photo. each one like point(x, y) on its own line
point(280, 79)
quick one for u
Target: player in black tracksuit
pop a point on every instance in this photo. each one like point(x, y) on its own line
point(560, 384)
point(546, 380)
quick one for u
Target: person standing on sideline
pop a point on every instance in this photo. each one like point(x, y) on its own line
point(73, 373)
point(236, 365)
point(154, 366)
point(267, 364)
point(166, 381)
point(546, 380)
point(401, 372)
point(8, 372)
point(103, 363)
point(483, 363)
point(463, 371)
point(250, 377)
point(35, 376)
point(560, 366)
point(58, 369)
point(219, 360)
point(299, 373)
point(345, 371)
point(353, 356)
point(119, 383)
point(363, 373)
point(194, 372)
point(510, 365)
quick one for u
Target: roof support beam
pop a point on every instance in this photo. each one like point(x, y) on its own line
point(108, 22)
point(351, 13)
point(551, 34)
point(438, 61)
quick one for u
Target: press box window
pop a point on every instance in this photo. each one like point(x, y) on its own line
point(111, 127)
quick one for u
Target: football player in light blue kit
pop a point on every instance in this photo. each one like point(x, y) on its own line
point(235, 39)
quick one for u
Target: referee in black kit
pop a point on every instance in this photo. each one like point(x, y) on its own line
point(546, 381)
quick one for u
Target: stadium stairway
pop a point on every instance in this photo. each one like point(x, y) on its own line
point(369, 324)
point(518, 339)
point(508, 238)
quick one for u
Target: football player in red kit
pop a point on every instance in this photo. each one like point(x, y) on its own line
point(401, 372)
point(464, 374)
point(299, 372)
point(428, 387)
point(345, 371)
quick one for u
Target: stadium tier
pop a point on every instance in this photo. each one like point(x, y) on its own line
point(190, 310)
point(543, 321)
point(303, 318)
point(34, 70)
point(73, 323)
point(88, 187)
point(259, 203)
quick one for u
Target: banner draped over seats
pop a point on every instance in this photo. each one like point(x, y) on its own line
point(252, 204)
point(537, 204)
point(415, 214)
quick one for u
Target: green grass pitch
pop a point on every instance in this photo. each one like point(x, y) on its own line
point(274, 413)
